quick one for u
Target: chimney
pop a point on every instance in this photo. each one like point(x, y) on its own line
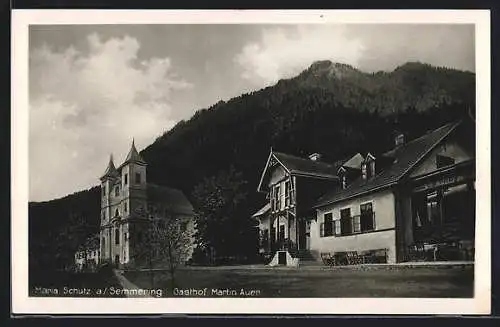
point(315, 156)
point(399, 139)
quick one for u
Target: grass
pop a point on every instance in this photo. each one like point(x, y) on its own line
point(414, 282)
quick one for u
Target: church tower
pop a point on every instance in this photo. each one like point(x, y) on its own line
point(133, 202)
point(133, 176)
point(108, 182)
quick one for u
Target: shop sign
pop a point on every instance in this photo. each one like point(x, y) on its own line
point(440, 182)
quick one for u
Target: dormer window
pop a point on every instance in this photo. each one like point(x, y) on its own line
point(372, 168)
point(344, 181)
point(368, 167)
point(364, 171)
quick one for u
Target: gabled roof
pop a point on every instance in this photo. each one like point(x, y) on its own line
point(404, 157)
point(134, 156)
point(111, 171)
point(262, 210)
point(172, 199)
point(354, 162)
point(300, 166)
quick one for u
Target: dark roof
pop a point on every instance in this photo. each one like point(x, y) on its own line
point(354, 162)
point(110, 170)
point(404, 158)
point(304, 166)
point(134, 156)
point(173, 199)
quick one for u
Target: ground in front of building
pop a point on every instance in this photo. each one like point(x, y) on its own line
point(431, 282)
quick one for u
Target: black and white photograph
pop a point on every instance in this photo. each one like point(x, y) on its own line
point(264, 160)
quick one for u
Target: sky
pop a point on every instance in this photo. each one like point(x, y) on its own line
point(94, 88)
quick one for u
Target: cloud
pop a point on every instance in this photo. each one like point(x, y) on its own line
point(86, 105)
point(284, 52)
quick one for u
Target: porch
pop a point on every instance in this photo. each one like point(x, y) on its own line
point(443, 216)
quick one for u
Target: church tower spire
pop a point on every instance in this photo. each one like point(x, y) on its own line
point(133, 156)
point(110, 170)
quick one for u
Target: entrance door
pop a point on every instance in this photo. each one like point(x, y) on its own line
point(303, 238)
point(282, 258)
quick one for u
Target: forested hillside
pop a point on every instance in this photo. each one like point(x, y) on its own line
point(329, 108)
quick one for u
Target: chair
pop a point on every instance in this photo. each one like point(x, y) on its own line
point(353, 258)
point(416, 252)
point(328, 259)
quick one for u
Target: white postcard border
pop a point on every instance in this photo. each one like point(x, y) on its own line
point(22, 304)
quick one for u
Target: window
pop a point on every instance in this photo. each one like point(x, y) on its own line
point(443, 161)
point(328, 227)
point(117, 213)
point(367, 219)
point(125, 237)
point(433, 214)
point(287, 194)
point(344, 181)
point(104, 190)
point(372, 169)
point(117, 191)
point(125, 179)
point(275, 202)
point(125, 207)
point(363, 171)
point(138, 178)
point(104, 215)
point(281, 235)
point(117, 236)
point(345, 221)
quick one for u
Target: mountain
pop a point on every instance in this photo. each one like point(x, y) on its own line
point(329, 108)
point(413, 84)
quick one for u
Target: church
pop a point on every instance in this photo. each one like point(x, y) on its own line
point(125, 196)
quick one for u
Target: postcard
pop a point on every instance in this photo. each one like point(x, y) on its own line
point(251, 162)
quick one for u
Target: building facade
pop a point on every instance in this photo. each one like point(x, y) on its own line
point(413, 202)
point(292, 185)
point(128, 202)
point(87, 255)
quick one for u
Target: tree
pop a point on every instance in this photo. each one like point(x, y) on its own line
point(224, 226)
point(164, 241)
